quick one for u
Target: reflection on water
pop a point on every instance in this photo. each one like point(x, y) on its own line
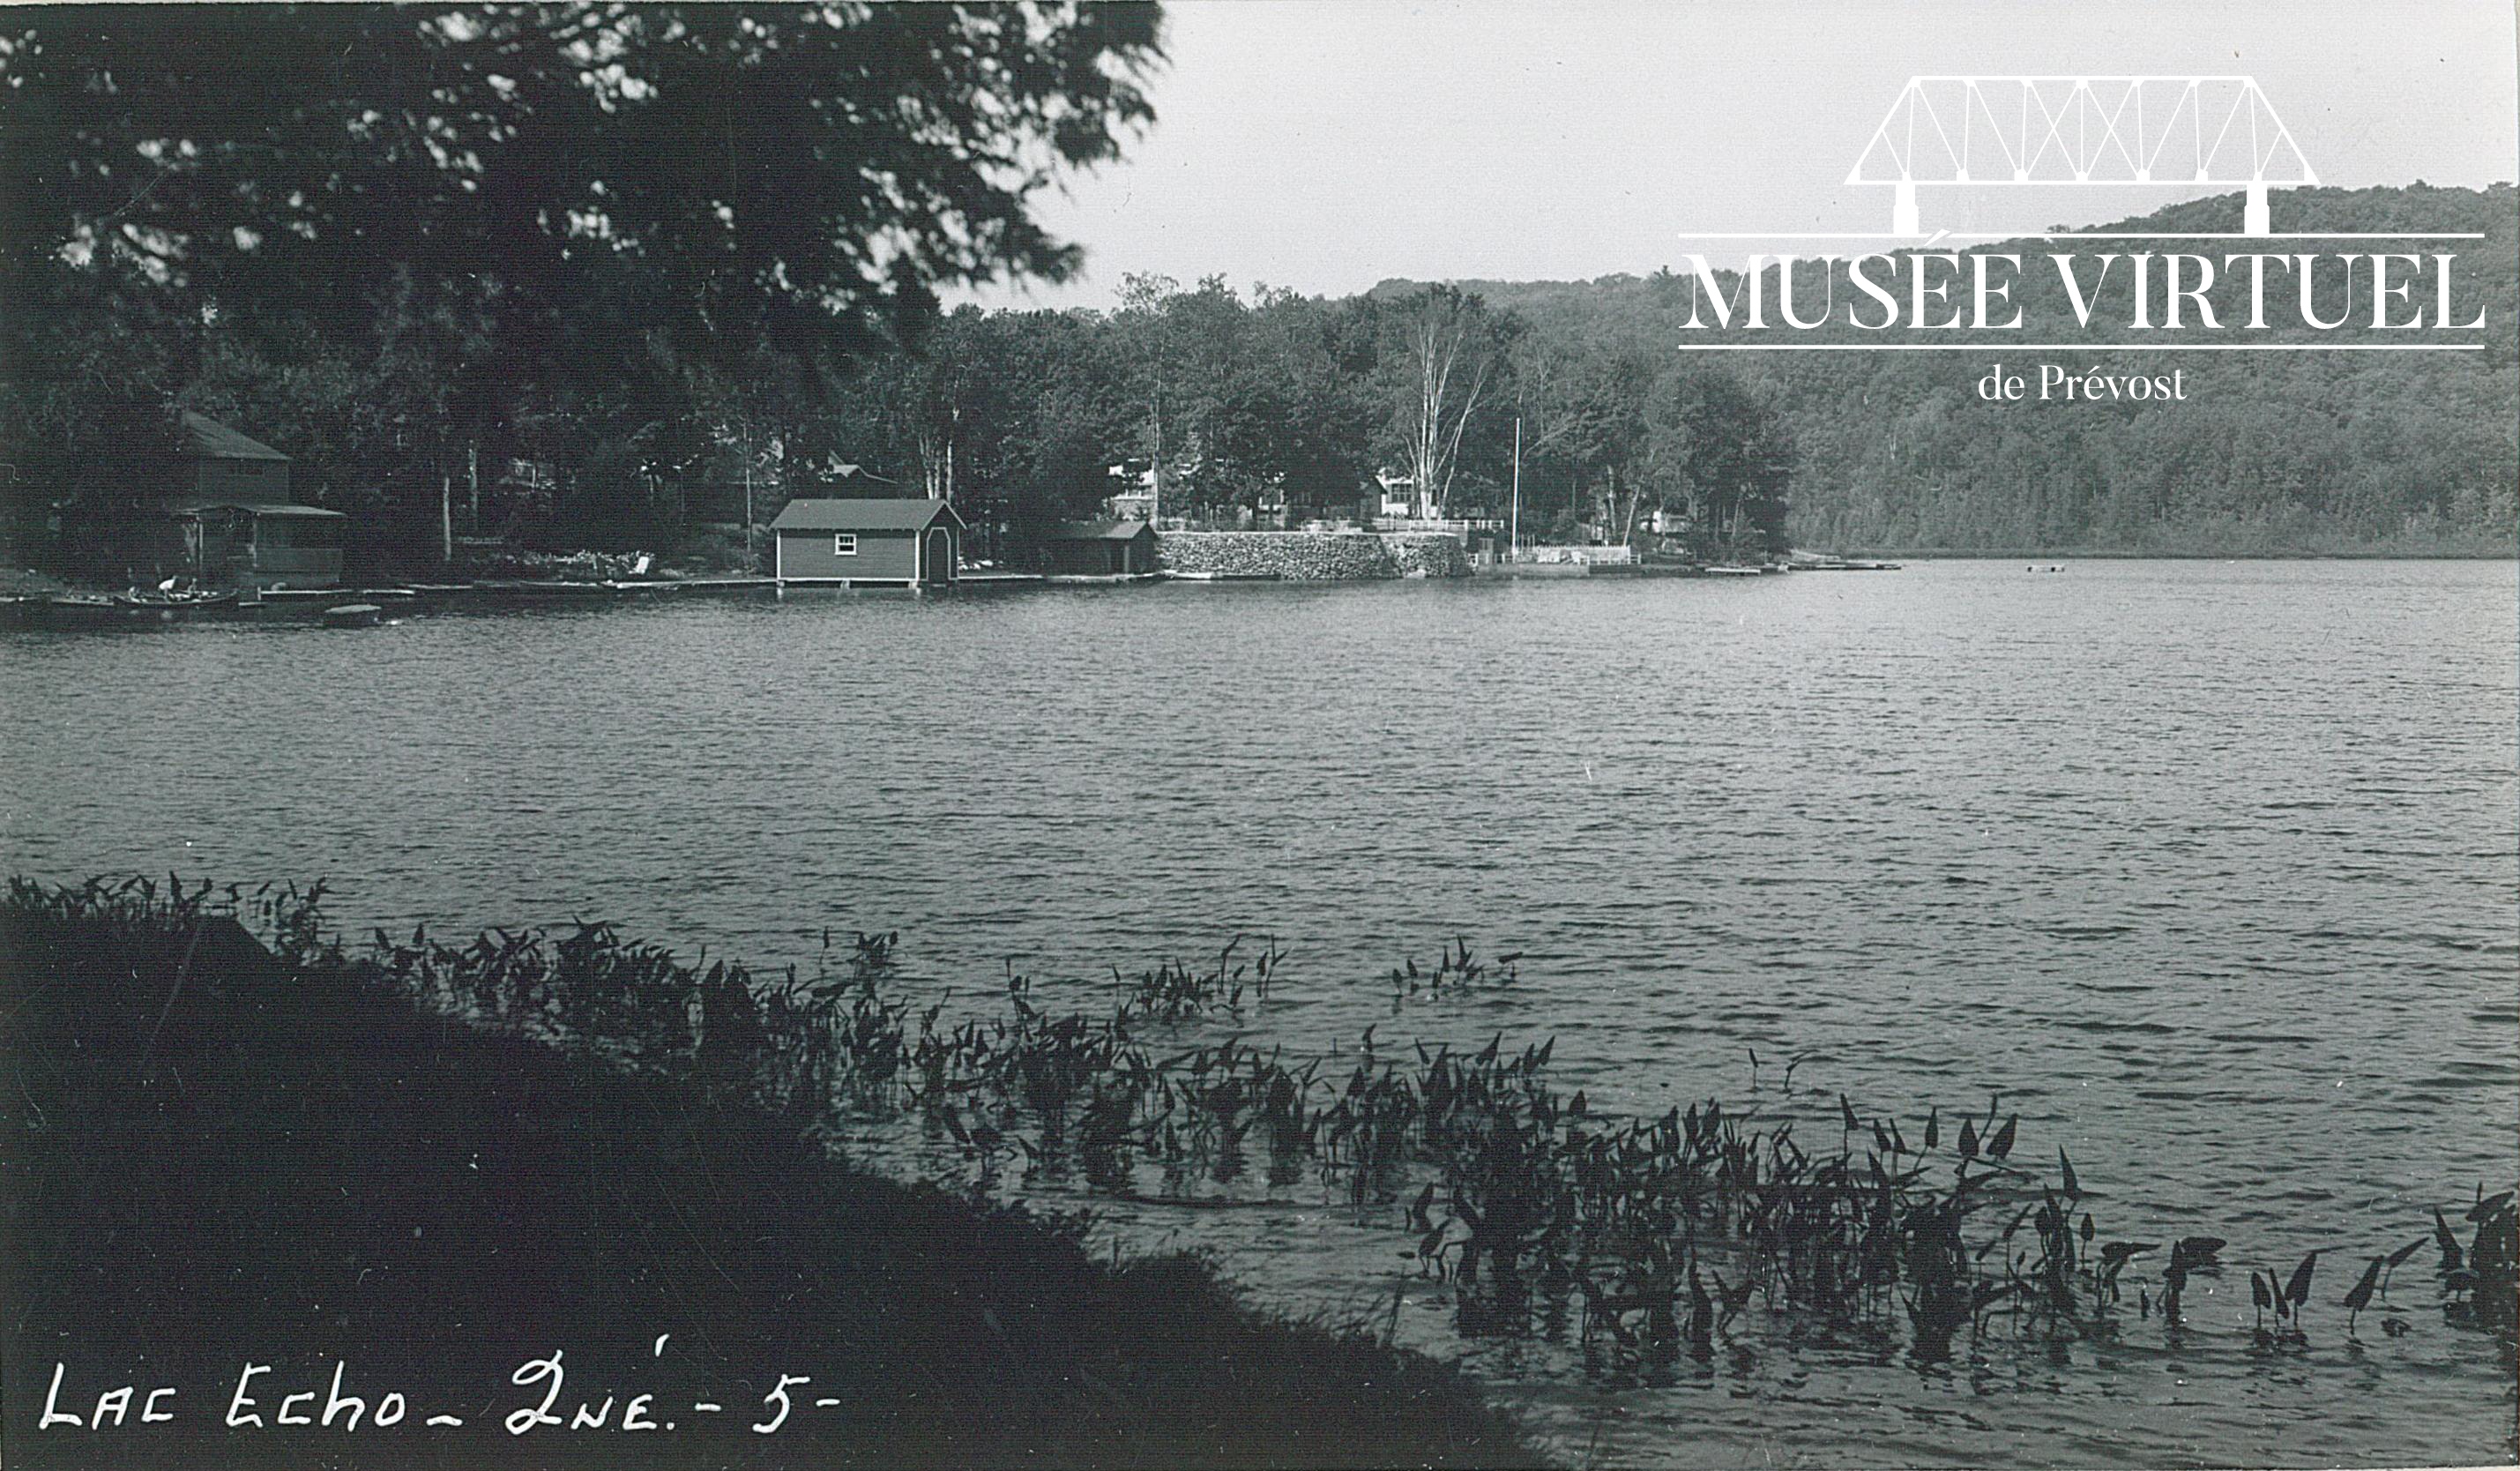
point(2208, 869)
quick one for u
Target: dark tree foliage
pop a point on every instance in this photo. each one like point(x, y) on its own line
point(675, 261)
point(2293, 452)
point(1271, 405)
point(735, 168)
point(1278, 398)
point(606, 232)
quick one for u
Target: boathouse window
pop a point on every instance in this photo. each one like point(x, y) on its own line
point(844, 545)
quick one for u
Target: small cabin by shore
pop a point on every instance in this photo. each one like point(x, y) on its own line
point(227, 517)
point(1099, 549)
point(221, 465)
point(883, 543)
point(262, 546)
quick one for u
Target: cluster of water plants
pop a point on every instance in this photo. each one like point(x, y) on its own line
point(1645, 1238)
point(1457, 969)
point(1642, 1240)
point(1173, 990)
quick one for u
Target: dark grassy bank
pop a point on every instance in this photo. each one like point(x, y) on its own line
point(213, 1158)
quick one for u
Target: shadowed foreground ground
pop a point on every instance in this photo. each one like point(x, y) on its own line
point(301, 1173)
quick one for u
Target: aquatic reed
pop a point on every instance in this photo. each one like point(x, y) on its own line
point(1645, 1238)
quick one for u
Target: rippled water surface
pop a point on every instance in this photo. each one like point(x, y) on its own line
point(2212, 870)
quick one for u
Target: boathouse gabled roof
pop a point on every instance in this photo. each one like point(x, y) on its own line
point(1098, 530)
point(864, 515)
point(209, 440)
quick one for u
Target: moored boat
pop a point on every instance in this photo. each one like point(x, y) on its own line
point(170, 603)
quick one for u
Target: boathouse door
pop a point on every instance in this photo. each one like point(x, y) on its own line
point(940, 556)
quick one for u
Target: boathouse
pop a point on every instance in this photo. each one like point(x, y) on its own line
point(221, 465)
point(1099, 549)
point(261, 545)
point(240, 525)
point(883, 543)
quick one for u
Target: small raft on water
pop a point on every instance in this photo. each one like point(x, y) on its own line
point(353, 616)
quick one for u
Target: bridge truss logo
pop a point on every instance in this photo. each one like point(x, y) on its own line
point(2016, 131)
point(2206, 133)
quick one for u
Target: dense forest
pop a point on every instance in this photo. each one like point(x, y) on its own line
point(489, 283)
point(1270, 400)
point(590, 258)
point(2414, 452)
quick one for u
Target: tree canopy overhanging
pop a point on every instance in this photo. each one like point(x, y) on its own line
point(385, 235)
point(731, 166)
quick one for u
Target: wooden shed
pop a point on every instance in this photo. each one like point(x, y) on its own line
point(1099, 549)
point(882, 543)
point(220, 465)
point(262, 546)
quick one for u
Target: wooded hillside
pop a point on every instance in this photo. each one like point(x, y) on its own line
point(2270, 452)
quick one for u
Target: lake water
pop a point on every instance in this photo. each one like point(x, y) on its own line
point(2210, 869)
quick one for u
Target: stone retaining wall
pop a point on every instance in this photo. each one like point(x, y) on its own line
point(1314, 556)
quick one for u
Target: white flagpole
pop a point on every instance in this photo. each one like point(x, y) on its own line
point(1513, 530)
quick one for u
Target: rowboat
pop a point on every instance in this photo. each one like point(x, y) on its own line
point(169, 602)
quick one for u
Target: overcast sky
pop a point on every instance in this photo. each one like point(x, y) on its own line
point(1326, 145)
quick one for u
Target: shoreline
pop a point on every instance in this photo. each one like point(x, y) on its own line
point(232, 1159)
point(24, 592)
point(592, 1142)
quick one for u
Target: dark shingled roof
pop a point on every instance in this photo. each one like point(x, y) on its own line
point(213, 440)
point(861, 515)
point(1098, 530)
